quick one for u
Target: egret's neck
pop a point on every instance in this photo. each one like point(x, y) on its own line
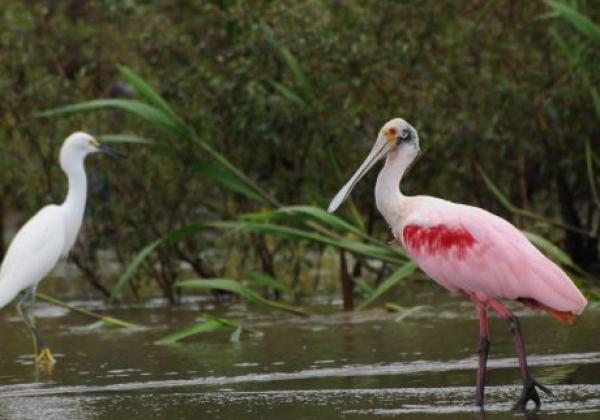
point(74, 204)
point(391, 203)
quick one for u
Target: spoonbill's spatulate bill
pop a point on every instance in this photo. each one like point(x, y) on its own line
point(468, 251)
point(46, 237)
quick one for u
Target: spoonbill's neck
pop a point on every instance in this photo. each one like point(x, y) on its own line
point(391, 203)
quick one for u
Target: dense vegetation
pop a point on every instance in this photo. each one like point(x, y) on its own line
point(291, 94)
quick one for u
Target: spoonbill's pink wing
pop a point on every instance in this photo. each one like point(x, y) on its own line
point(468, 249)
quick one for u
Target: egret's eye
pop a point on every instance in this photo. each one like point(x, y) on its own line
point(94, 142)
point(404, 134)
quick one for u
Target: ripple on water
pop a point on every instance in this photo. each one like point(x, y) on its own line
point(313, 373)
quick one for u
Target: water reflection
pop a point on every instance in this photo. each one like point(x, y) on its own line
point(46, 408)
point(361, 366)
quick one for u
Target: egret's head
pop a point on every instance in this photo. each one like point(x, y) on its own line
point(78, 145)
point(397, 139)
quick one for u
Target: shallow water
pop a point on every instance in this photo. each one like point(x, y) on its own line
point(332, 365)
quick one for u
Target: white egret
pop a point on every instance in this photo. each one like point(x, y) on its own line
point(47, 237)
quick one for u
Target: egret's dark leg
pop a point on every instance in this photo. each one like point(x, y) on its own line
point(26, 307)
point(529, 392)
point(484, 348)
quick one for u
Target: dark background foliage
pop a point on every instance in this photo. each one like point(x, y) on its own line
point(486, 83)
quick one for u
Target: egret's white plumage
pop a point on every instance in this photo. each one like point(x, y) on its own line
point(42, 238)
point(51, 232)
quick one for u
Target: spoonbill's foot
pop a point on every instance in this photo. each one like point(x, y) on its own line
point(45, 358)
point(529, 393)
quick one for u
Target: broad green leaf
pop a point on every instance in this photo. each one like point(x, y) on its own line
point(216, 172)
point(141, 109)
point(146, 91)
point(385, 253)
point(209, 325)
point(549, 249)
point(322, 216)
point(398, 275)
point(124, 138)
point(406, 312)
point(579, 21)
point(267, 281)
point(238, 288)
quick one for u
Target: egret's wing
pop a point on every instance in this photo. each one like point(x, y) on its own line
point(469, 249)
point(34, 251)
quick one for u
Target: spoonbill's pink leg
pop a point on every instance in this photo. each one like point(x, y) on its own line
point(529, 383)
point(484, 348)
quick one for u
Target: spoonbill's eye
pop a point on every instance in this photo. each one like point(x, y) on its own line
point(404, 134)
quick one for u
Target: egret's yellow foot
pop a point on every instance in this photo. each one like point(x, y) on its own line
point(45, 358)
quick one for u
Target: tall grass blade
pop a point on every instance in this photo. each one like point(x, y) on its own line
point(324, 217)
point(564, 47)
point(214, 171)
point(208, 324)
point(149, 113)
point(105, 319)
point(124, 138)
point(163, 117)
point(264, 280)
point(397, 276)
point(525, 213)
point(554, 252)
point(589, 161)
point(146, 91)
point(240, 289)
point(288, 94)
point(579, 21)
point(384, 253)
point(298, 73)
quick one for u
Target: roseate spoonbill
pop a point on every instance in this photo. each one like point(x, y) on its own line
point(468, 251)
point(46, 237)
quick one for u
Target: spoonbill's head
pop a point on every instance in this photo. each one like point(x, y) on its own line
point(397, 139)
point(78, 145)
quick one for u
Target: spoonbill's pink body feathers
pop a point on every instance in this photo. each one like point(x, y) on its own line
point(467, 250)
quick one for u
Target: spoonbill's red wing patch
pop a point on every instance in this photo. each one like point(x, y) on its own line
point(437, 239)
